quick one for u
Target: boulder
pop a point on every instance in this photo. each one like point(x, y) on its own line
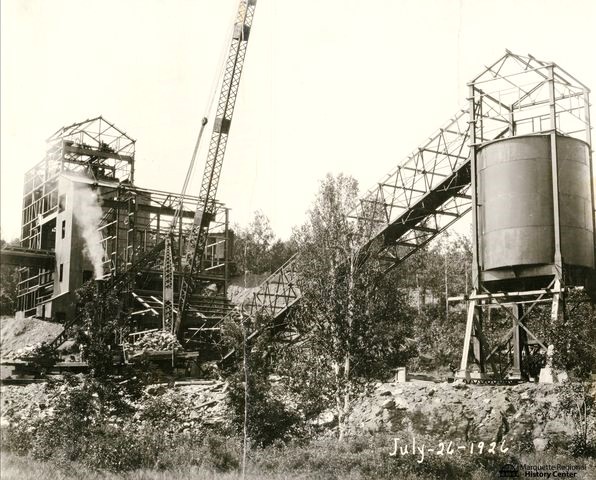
point(540, 444)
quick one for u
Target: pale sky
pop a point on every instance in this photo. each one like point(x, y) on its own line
point(328, 85)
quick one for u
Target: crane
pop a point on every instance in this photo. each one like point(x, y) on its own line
point(205, 211)
point(206, 206)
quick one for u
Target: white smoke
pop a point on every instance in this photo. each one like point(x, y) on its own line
point(87, 212)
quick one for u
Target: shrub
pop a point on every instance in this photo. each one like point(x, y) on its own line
point(96, 424)
point(368, 458)
point(578, 404)
point(269, 420)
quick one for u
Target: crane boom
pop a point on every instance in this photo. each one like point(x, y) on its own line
point(207, 204)
point(205, 211)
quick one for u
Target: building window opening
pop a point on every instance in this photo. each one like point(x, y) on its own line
point(63, 228)
point(61, 275)
point(48, 235)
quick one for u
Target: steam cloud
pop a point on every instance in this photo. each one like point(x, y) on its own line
point(87, 212)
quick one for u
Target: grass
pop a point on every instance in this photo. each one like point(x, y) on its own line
point(13, 467)
point(356, 459)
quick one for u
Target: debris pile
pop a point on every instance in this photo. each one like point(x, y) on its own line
point(157, 341)
point(195, 405)
point(22, 401)
point(180, 408)
point(25, 333)
point(42, 353)
point(28, 351)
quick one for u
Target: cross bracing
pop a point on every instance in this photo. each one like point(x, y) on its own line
point(431, 188)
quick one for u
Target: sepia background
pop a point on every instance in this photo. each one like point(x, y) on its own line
point(329, 86)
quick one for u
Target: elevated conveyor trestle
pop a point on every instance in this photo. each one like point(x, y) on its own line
point(409, 207)
point(434, 186)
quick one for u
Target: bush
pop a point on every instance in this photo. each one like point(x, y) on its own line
point(368, 458)
point(269, 420)
point(17, 438)
point(219, 454)
point(577, 403)
point(96, 424)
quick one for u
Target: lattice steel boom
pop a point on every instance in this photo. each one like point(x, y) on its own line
point(219, 138)
point(409, 207)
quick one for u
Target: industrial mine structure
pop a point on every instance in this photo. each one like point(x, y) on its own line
point(84, 187)
point(518, 157)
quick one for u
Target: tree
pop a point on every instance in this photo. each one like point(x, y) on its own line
point(352, 320)
point(573, 334)
point(101, 320)
point(252, 243)
point(434, 273)
point(256, 250)
point(9, 280)
point(256, 408)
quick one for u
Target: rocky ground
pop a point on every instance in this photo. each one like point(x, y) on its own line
point(527, 414)
point(19, 334)
point(196, 403)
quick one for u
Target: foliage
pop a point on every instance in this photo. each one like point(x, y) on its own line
point(120, 448)
point(360, 459)
point(78, 412)
point(577, 402)
point(9, 279)
point(574, 336)
point(351, 321)
point(101, 320)
point(269, 418)
point(43, 356)
point(436, 272)
point(160, 410)
point(101, 424)
point(368, 458)
point(256, 250)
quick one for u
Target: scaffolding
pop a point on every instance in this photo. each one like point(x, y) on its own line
point(536, 101)
point(94, 148)
point(100, 156)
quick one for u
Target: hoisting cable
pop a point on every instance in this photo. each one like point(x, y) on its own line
point(213, 92)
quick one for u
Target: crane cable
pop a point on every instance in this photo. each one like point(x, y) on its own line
point(216, 79)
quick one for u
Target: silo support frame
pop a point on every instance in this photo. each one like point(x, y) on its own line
point(517, 306)
point(556, 309)
point(473, 328)
point(517, 337)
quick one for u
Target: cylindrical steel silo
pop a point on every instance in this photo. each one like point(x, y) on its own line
point(516, 226)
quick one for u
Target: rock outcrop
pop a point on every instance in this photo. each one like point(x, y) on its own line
point(524, 414)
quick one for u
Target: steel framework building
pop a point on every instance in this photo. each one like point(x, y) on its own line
point(91, 164)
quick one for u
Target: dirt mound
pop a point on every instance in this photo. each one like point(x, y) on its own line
point(17, 334)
